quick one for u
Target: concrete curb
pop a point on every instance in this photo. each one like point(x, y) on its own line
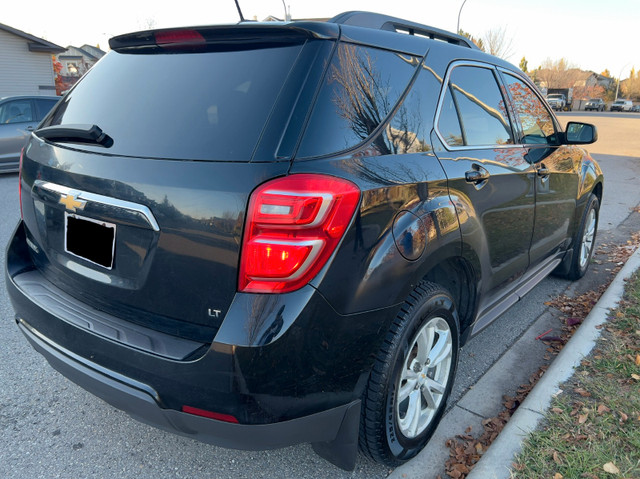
point(496, 462)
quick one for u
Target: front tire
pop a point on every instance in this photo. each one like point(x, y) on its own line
point(584, 239)
point(412, 377)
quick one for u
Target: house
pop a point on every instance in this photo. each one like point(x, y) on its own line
point(600, 80)
point(76, 61)
point(26, 67)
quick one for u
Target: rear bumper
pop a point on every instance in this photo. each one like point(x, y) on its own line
point(295, 376)
point(141, 402)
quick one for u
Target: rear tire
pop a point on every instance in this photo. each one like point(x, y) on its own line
point(584, 239)
point(412, 377)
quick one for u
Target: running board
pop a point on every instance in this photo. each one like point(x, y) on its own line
point(489, 315)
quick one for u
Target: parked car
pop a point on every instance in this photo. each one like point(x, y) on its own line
point(557, 101)
point(293, 245)
point(636, 108)
point(19, 116)
point(622, 105)
point(596, 104)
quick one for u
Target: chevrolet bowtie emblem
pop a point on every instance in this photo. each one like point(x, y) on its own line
point(71, 203)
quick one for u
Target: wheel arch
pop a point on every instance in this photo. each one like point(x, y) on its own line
point(458, 276)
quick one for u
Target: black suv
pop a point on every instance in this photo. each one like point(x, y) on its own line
point(258, 235)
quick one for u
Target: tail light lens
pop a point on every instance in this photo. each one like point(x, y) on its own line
point(179, 38)
point(294, 225)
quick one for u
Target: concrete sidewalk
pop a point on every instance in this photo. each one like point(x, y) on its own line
point(484, 400)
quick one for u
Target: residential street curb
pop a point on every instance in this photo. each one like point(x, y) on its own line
point(496, 462)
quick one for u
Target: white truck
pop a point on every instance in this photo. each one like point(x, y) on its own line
point(560, 99)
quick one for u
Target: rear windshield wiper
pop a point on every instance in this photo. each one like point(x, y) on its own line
point(89, 134)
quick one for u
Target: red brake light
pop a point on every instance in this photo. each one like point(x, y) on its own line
point(293, 226)
point(179, 38)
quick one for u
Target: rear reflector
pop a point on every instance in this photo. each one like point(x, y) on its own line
point(294, 225)
point(209, 414)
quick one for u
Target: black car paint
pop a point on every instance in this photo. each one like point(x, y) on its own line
point(181, 280)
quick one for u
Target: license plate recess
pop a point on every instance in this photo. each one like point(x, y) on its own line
point(89, 239)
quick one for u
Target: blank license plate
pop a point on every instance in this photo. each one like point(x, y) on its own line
point(89, 239)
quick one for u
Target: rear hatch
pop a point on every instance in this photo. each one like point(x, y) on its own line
point(134, 190)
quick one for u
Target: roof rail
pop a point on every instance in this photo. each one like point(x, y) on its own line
point(384, 22)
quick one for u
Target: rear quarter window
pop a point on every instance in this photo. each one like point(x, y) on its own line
point(361, 88)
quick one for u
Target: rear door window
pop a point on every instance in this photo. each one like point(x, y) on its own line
point(473, 111)
point(361, 88)
point(210, 105)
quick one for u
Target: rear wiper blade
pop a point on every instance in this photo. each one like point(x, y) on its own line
point(89, 134)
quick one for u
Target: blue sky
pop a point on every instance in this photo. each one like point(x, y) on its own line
point(593, 35)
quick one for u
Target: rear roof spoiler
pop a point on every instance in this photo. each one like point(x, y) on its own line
point(276, 32)
point(244, 33)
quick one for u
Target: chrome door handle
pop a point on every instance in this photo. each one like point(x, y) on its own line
point(477, 175)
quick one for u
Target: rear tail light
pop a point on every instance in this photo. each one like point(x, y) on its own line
point(20, 182)
point(294, 225)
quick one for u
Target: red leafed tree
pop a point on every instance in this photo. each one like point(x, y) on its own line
point(61, 85)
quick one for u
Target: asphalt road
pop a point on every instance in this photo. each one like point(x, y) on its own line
point(51, 428)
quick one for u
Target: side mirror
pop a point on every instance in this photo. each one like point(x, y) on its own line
point(580, 133)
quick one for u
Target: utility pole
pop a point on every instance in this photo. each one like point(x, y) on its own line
point(618, 82)
point(287, 12)
point(459, 12)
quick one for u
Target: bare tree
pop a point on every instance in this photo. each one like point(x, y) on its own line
point(559, 74)
point(148, 23)
point(496, 42)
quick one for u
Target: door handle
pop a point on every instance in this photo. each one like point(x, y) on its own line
point(30, 128)
point(477, 175)
point(543, 171)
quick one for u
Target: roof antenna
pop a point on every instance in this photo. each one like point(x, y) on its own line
point(240, 12)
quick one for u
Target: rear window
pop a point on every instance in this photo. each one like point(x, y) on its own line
point(199, 106)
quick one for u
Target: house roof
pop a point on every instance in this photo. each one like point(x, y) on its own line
point(87, 51)
point(96, 52)
point(35, 44)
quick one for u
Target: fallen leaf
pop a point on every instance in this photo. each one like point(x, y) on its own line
point(468, 430)
point(556, 410)
point(582, 392)
point(611, 468)
point(573, 321)
point(582, 418)
point(454, 474)
point(461, 468)
point(479, 449)
point(636, 377)
point(556, 457)
point(557, 475)
point(623, 417)
point(602, 409)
